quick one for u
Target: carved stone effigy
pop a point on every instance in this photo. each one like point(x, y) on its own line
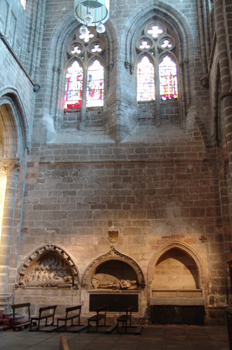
point(114, 285)
point(48, 266)
point(94, 279)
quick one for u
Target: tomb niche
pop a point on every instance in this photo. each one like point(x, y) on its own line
point(176, 295)
point(113, 279)
point(50, 267)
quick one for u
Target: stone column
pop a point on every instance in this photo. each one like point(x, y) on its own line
point(221, 29)
point(11, 169)
point(226, 92)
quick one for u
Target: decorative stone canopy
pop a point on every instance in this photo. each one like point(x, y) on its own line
point(113, 256)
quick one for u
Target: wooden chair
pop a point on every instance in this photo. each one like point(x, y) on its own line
point(125, 319)
point(63, 343)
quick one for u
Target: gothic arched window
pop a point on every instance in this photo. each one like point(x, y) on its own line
point(74, 83)
point(168, 79)
point(95, 84)
point(156, 64)
point(145, 80)
point(85, 75)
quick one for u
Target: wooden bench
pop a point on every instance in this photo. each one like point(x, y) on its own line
point(101, 315)
point(69, 317)
point(124, 319)
point(21, 324)
point(63, 343)
point(44, 314)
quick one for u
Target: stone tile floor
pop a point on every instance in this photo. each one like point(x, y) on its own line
point(156, 337)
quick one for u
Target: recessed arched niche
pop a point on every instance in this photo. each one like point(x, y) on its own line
point(175, 280)
point(176, 269)
point(49, 266)
point(176, 275)
point(113, 271)
point(115, 280)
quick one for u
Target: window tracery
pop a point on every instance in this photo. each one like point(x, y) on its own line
point(156, 63)
point(85, 74)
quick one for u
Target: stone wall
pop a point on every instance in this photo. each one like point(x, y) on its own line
point(153, 193)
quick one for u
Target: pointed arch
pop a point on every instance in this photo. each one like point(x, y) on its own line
point(95, 83)
point(184, 248)
point(145, 79)
point(74, 85)
point(168, 77)
point(14, 125)
point(54, 85)
point(39, 254)
point(161, 12)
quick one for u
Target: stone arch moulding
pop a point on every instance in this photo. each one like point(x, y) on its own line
point(181, 246)
point(113, 254)
point(15, 124)
point(59, 269)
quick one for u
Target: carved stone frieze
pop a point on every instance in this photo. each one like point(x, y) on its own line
point(48, 266)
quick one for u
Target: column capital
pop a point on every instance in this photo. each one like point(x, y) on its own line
point(9, 165)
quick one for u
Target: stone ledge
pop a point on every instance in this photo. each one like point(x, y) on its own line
point(177, 301)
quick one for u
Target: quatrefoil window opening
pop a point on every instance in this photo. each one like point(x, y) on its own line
point(86, 37)
point(155, 31)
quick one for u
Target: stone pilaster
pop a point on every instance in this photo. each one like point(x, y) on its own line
point(10, 169)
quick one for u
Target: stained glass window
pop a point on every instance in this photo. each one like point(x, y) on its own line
point(74, 82)
point(24, 3)
point(145, 80)
point(168, 79)
point(95, 85)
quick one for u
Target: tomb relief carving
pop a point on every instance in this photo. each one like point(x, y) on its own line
point(49, 272)
point(103, 281)
point(49, 266)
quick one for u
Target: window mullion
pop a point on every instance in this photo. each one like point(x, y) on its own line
point(157, 90)
point(83, 104)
